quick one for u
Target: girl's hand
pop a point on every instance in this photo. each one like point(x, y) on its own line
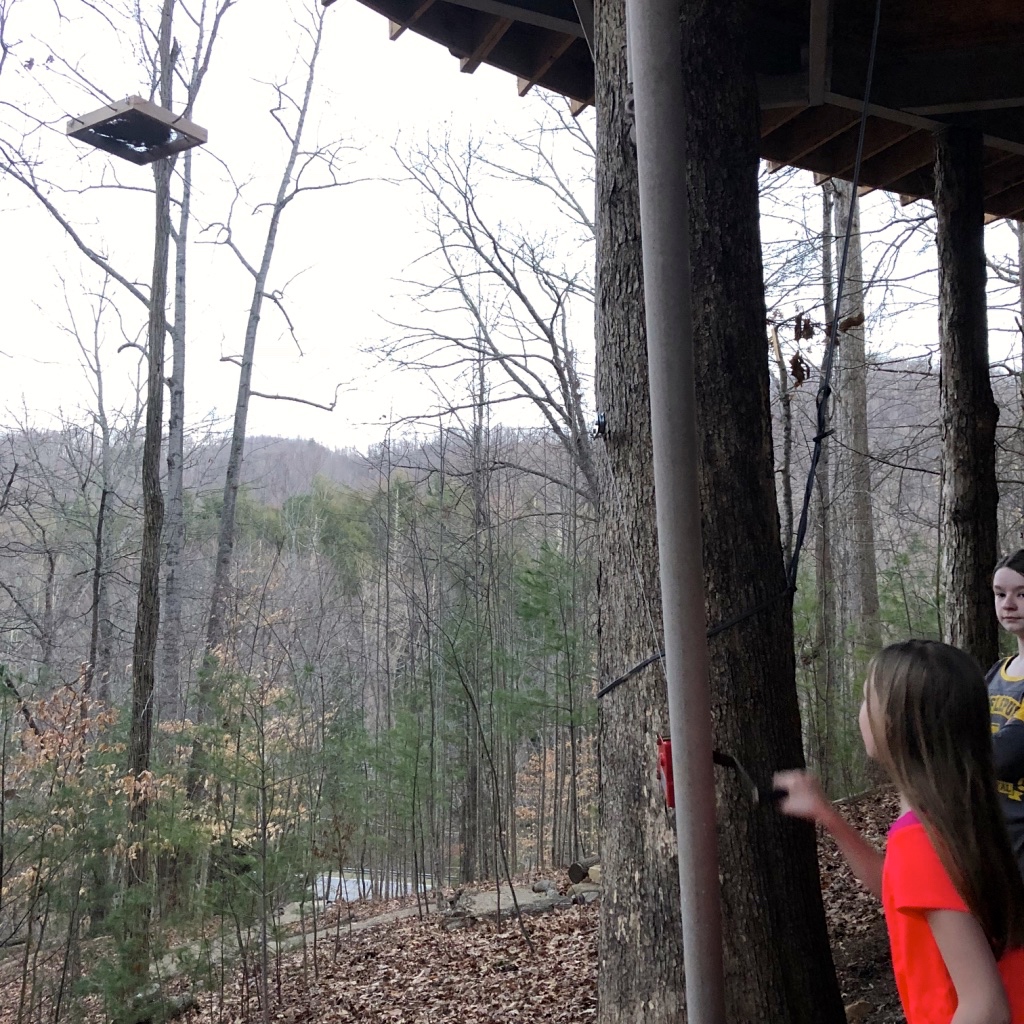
point(804, 796)
point(806, 799)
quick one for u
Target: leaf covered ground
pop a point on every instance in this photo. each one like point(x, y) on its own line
point(414, 971)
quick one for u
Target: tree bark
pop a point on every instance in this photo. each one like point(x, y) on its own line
point(969, 413)
point(770, 888)
point(217, 626)
point(170, 696)
point(828, 662)
point(861, 577)
point(641, 957)
point(140, 740)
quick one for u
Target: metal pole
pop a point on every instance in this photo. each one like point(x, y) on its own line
point(654, 44)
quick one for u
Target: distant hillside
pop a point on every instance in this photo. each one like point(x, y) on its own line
point(276, 468)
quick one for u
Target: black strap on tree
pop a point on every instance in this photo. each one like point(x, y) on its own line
point(822, 400)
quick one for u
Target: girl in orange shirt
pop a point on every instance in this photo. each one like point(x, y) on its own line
point(949, 884)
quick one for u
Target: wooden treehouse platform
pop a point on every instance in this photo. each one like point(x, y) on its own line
point(939, 62)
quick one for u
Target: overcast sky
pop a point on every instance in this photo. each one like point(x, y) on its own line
point(342, 254)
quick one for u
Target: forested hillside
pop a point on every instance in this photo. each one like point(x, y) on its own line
point(247, 679)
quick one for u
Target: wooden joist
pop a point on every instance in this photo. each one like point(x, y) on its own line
point(1003, 174)
point(554, 47)
point(494, 28)
point(776, 117)
point(899, 160)
point(396, 28)
point(838, 156)
point(1008, 203)
point(795, 139)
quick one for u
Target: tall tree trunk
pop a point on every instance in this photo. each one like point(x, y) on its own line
point(170, 699)
point(216, 623)
point(861, 574)
point(770, 888)
point(98, 584)
point(827, 671)
point(147, 623)
point(47, 638)
point(786, 469)
point(216, 626)
point(969, 413)
point(640, 973)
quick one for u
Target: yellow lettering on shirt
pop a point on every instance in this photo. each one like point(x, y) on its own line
point(1005, 707)
point(1011, 790)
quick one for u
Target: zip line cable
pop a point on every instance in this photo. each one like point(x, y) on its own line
point(822, 400)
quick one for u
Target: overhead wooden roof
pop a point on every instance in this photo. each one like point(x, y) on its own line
point(938, 61)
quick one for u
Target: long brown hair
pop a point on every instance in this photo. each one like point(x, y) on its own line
point(1014, 560)
point(928, 709)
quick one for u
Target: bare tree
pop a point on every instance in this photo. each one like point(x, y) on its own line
point(970, 495)
point(98, 466)
point(306, 170)
point(208, 24)
point(854, 490)
point(502, 297)
point(147, 621)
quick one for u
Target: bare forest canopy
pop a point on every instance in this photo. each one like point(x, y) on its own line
point(399, 681)
point(408, 687)
point(234, 669)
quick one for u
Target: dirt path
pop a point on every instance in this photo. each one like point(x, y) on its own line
point(481, 903)
point(470, 905)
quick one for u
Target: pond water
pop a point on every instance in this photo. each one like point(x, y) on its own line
point(351, 885)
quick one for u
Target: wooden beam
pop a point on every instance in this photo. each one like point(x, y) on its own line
point(806, 133)
point(572, 75)
point(493, 30)
point(900, 160)
point(820, 179)
point(775, 117)
point(818, 51)
point(1000, 176)
point(952, 77)
point(956, 80)
point(1008, 202)
point(569, 23)
point(837, 157)
point(978, 106)
point(851, 102)
point(555, 46)
point(396, 28)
